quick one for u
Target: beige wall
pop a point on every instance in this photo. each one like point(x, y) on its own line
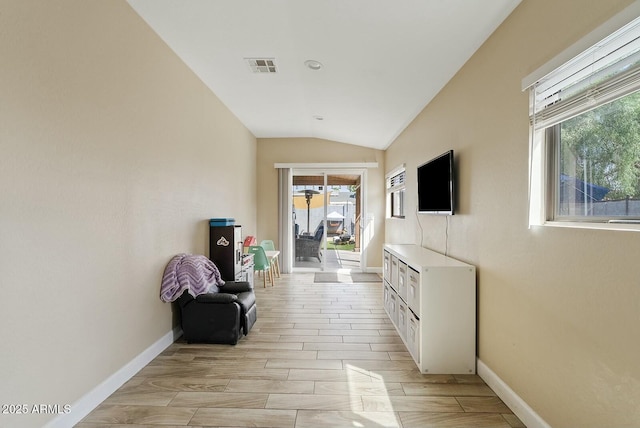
point(312, 150)
point(558, 308)
point(113, 155)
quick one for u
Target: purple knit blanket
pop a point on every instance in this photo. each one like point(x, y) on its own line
point(194, 273)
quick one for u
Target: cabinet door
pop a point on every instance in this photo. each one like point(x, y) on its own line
point(222, 250)
point(402, 280)
point(413, 290)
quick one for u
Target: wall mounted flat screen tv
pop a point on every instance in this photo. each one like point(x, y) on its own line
point(436, 185)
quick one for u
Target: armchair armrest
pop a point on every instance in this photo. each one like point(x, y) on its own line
point(216, 298)
point(235, 287)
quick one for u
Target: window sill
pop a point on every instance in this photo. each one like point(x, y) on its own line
point(627, 227)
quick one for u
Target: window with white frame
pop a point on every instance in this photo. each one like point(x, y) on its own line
point(585, 135)
point(395, 193)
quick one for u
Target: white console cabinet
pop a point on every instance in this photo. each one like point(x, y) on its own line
point(431, 300)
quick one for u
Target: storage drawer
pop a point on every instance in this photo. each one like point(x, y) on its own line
point(386, 291)
point(402, 319)
point(393, 307)
point(386, 266)
point(394, 272)
point(402, 280)
point(413, 290)
point(413, 337)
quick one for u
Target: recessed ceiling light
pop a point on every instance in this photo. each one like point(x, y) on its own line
point(313, 64)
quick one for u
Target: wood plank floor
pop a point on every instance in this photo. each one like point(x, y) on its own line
point(320, 355)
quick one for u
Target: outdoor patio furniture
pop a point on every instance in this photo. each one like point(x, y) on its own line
point(309, 246)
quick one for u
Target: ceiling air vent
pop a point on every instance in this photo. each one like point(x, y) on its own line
point(262, 65)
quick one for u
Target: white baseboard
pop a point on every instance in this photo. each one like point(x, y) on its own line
point(518, 406)
point(97, 395)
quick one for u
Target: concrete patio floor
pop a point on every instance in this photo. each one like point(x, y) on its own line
point(336, 259)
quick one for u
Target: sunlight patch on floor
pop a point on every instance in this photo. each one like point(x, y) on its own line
point(385, 401)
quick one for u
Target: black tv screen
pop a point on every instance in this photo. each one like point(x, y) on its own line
point(436, 185)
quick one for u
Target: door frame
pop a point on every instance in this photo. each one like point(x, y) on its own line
point(326, 169)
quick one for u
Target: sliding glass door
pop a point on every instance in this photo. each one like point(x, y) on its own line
point(326, 220)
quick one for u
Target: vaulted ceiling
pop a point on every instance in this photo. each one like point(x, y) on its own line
point(376, 63)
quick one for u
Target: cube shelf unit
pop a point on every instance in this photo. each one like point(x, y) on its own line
point(431, 300)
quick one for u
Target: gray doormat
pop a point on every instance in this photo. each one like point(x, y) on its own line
point(343, 278)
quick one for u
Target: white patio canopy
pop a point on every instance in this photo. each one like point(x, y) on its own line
point(333, 215)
